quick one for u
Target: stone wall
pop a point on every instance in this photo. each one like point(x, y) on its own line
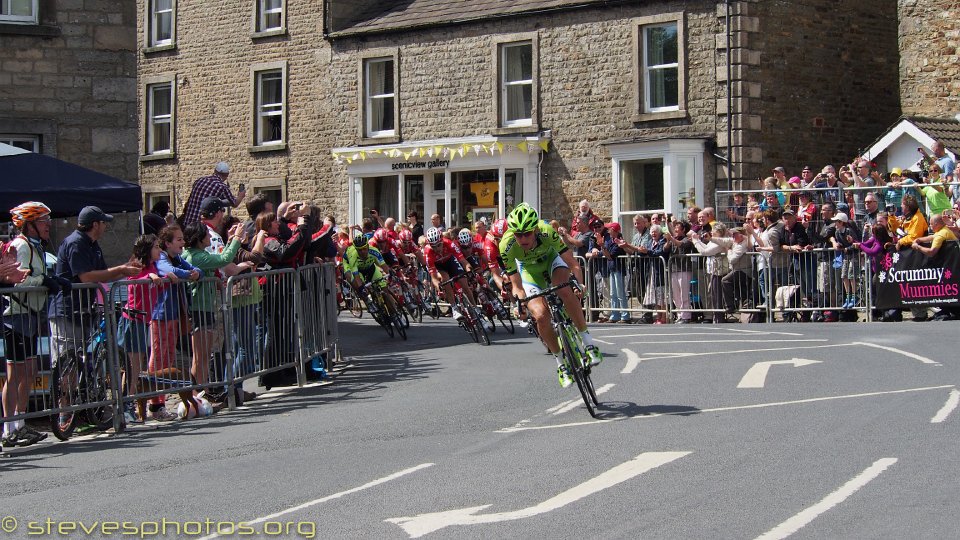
point(72, 80)
point(929, 58)
point(824, 79)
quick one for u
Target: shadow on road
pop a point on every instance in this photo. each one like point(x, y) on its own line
point(610, 410)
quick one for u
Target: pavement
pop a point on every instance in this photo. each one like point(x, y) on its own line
point(704, 431)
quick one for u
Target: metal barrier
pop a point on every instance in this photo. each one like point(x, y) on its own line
point(142, 340)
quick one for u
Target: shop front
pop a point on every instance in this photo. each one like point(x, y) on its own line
point(462, 180)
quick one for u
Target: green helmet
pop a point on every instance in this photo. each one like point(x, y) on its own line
point(523, 218)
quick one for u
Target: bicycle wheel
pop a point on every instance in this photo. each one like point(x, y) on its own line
point(482, 337)
point(354, 305)
point(96, 383)
point(506, 320)
point(584, 361)
point(398, 324)
point(575, 368)
point(65, 392)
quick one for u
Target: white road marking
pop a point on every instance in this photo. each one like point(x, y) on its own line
point(602, 341)
point(756, 376)
point(716, 334)
point(740, 340)
point(763, 332)
point(633, 360)
point(314, 502)
point(417, 526)
point(725, 409)
point(947, 408)
point(571, 406)
point(802, 519)
point(908, 354)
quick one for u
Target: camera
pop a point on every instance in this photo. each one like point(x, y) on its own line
point(890, 208)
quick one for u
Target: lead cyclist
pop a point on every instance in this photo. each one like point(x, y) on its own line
point(535, 258)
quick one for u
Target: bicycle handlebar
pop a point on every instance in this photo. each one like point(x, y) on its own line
point(550, 291)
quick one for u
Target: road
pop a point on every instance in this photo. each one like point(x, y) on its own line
point(706, 431)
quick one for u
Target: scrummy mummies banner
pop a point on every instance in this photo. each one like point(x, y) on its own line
point(908, 278)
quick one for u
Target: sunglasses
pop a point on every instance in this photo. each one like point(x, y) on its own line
point(523, 234)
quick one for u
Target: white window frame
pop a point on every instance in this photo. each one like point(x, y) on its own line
point(33, 18)
point(505, 85)
point(369, 99)
point(648, 69)
point(151, 14)
point(260, 17)
point(13, 138)
point(265, 110)
point(152, 192)
point(147, 144)
point(670, 151)
point(153, 120)
point(642, 87)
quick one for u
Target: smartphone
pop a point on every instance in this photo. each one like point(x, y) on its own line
point(241, 187)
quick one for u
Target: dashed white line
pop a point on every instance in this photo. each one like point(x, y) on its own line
point(947, 408)
point(725, 409)
point(802, 519)
point(314, 502)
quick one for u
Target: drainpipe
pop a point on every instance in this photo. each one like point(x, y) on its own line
point(729, 104)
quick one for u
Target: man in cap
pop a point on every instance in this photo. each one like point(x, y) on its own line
point(214, 185)
point(780, 174)
point(80, 260)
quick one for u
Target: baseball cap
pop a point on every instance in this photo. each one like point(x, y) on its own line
point(223, 167)
point(788, 212)
point(212, 205)
point(794, 180)
point(779, 169)
point(807, 168)
point(841, 217)
point(613, 226)
point(92, 214)
point(896, 171)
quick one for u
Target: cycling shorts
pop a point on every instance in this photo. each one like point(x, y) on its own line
point(537, 277)
point(372, 275)
point(451, 266)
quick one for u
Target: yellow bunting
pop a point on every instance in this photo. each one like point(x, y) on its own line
point(499, 146)
point(422, 151)
point(378, 151)
point(522, 146)
point(462, 150)
point(406, 156)
point(545, 144)
point(437, 150)
point(476, 149)
point(363, 155)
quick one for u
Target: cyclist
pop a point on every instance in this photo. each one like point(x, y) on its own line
point(491, 251)
point(361, 260)
point(536, 258)
point(382, 241)
point(465, 241)
point(445, 260)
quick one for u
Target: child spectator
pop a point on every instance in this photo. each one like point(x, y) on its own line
point(165, 323)
point(844, 241)
point(133, 335)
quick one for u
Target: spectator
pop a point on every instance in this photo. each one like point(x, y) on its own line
point(717, 264)
point(737, 284)
point(861, 177)
point(803, 261)
point(871, 207)
point(911, 225)
point(207, 332)
point(165, 324)
point(775, 266)
point(893, 194)
point(214, 185)
point(770, 185)
point(681, 269)
point(827, 184)
point(584, 212)
point(612, 249)
point(80, 260)
point(779, 178)
point(753, 203)
point(806, 177)
point(413, 219)
point(737, 212)
point(843, 242)
point(693, 218)
point(437, 222)
point(908, 184)
point(21, 319)
point(770, 202)
point(945, 163)
point(133, 332)
point(594, 267)
point(655, 297)
point(640, 268)
point(940, 235)
point(793, 196)
point(935, 192)
point(255, 206)
point(875, 245)
point(806, 209)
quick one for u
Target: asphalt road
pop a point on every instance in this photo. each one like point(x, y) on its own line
point(851, 434)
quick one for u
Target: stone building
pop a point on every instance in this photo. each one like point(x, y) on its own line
point(930, 58)
point(68, 86)
point(466, 108)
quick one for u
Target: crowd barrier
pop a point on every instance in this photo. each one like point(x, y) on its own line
point(212, 335)
point(792, 287)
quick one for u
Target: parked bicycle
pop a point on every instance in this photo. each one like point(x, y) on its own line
point(82, 378)
point(573, 352)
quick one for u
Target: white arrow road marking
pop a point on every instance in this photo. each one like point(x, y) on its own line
point(633, 360)
point(720, 409)
point(566, 407)
point(314, 502)
point(947, 408)
point(417, 526)
point(756, 376)
point(800, 520)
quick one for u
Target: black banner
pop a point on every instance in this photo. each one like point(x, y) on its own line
point(908, 278)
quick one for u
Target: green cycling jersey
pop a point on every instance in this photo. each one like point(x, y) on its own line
point(535, 262)
point(354, 264)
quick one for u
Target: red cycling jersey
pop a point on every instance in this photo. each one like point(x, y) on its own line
point(442, 254)
point(491, 253)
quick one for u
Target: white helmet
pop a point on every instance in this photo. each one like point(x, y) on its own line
point(433, 235)
point(465, 238)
